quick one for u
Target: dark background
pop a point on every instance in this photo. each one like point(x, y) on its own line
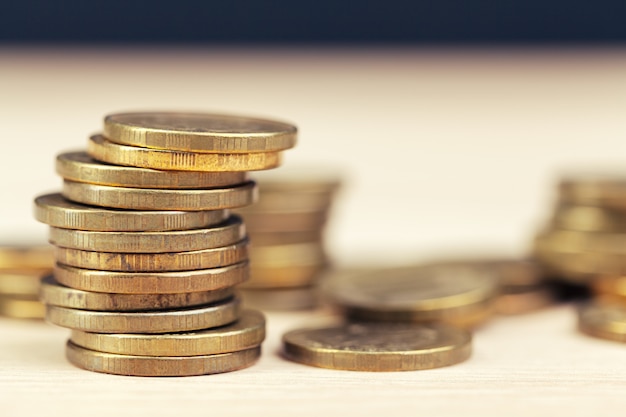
point(314, 22)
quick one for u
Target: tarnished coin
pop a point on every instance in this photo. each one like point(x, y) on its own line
point(36, 257)
point(158, 262)
point(21, 307)
point(281, 299)
point(199, 132)
point(80, 167)
point(110, 363)
point(19, 282)
point(455, 293)
point(378, 346)
point(166, 321)
point(247, 332)
point(603, 320)
point(59, 295)
point(113, 153)
point(152, 282)
point(155, 199)
point(589, 218)
point(227, 233)
point(55, 210)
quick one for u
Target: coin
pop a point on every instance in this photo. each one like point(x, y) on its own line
point(454, 293)
point(55, 210)
point(18, 282)
point(603, 320)
point(80, 167)
point(154, 199)
point(227, 233)
point(284, 276)
point(589, 219)
point(160, 366)
point(603, 188)
point(284, 238)
point(199, 132)
point(35, 257)
point(574, 241)
point(158, 262)
point(288, 255)
point(247, 332)
point(378, 347)
point(582, 267)
point(20, 307)
point(278, 221)
point(280, 299)
point(152, 282)
point(165, 321)
point(56, 294)
point(106, 151)
point(525, 300)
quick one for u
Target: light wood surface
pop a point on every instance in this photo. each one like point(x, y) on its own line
point(445, 152)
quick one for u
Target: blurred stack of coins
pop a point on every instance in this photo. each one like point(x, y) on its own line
point(147, 253)
point(585, 244)
point(21, 271)
point(286, 228)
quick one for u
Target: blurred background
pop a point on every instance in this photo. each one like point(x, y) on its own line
point(448, 120)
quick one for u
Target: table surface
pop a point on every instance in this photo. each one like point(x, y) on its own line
point(444, 153)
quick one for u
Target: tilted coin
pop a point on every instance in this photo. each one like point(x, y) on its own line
point(152, 282)
point(247, 332)
point(35, 257)
point(158, 262)
point(160, 366)
point(80, 167)
point(103, 150)
point(19, 282)
point(165, 321)
point(199, 132)
point(155, 199)
point(227, 233)
point(20, 307)
point(603, 320)
point(55, 210)
point(454, 293)
point(59, 295)
point(589, 219)
point(281, 299)
point(378, 346)
point(284, 276)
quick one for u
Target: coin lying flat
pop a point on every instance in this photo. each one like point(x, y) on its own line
point(158, 262)
point(56, 294)
point(199, 132)
point(582, 267)
point(102, 150)
point(55, 210)
point(247, 332)
point(284, 238)
point(280, 299)
point(525, 300)
point(159, 199)
point(378, 346)
point(454, 293)
point(570, 241)
point(18, 282)
point(152, 282)
point(609, 285)
point(21, 307)
point(288, 255)
point(166, 321)
point(603, 320)
point(589, 219)
point(603, 188)
point(227, 233)
point(278, 221)
point(109, 363)
point(80, 167)
point(35, 257)
point(284, 276)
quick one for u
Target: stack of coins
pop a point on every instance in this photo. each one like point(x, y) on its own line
point(286, 228)
point(21, 270)
point(147, 254)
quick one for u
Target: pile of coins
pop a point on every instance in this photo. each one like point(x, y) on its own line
point(584, 244)
point(286, 228)
point(21, 270)
point(147, 253)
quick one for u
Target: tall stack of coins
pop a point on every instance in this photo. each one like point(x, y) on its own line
point(21, 270)
point(147, 253)
point(286, 228)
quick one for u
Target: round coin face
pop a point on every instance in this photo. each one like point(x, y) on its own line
point(199, 132)
point(378, 346)
point(603, 320)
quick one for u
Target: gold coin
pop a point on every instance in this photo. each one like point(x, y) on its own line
point(280, 299)
point(199, 132)
point(570, 241)
point(607, 189)
point(525, 300)
point(589, 219)
point(378, 347)
point(56, 294)
point(106, 151)
point(157, 262)
point(283, 238)
point(277, 221)
point(582, 267)
point(80, 167)
point(247, 332)
point(36, 257)
point(18, 282)
point(603, 320)
point(110, 363)
point(55, 210)
point(284, 276)
point(152, 282)
point(20, 307)
point(455, 293)
point(224, 234)
point(166, 321)
point(278, 256)
point(153, 199)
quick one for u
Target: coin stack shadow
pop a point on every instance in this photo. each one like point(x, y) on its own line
point(147, 253)
point(286, 228)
